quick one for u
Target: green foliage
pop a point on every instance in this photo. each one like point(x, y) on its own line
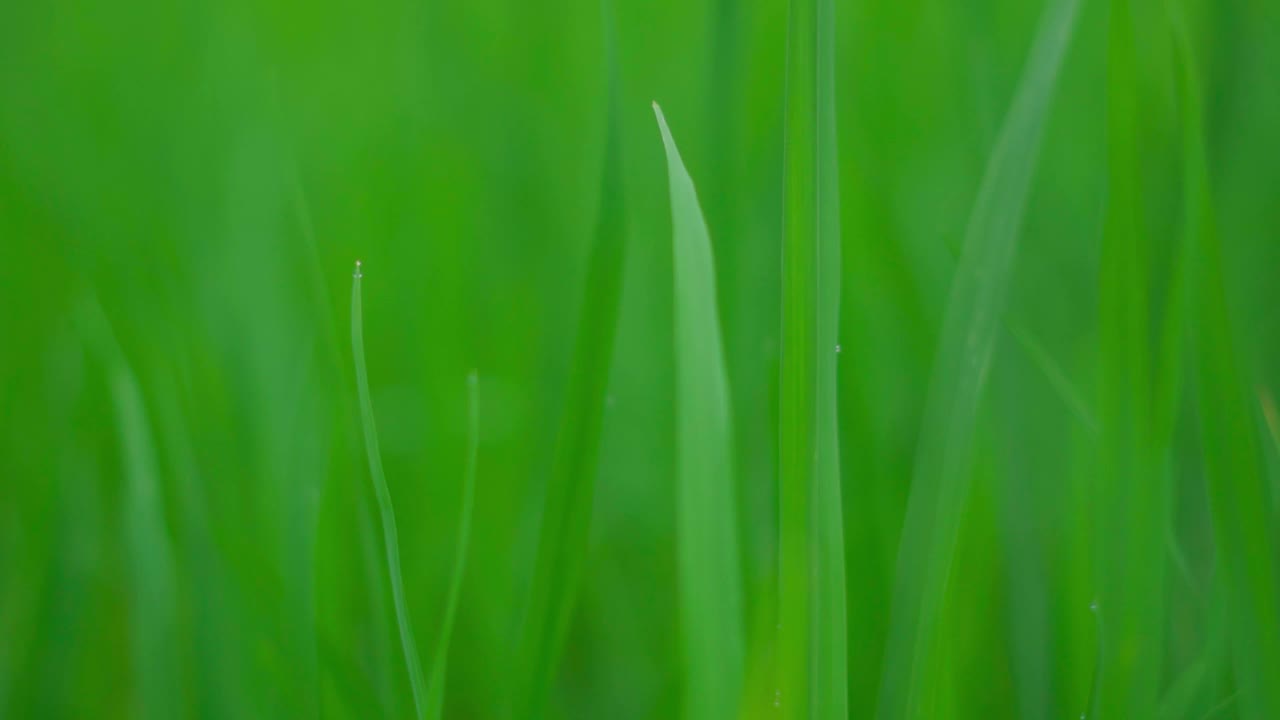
point(390, 538)
point(566, 518)
point(868, 436)
point(1238, 494)
point(812, 629)
point(944, 458)
point(706, 520)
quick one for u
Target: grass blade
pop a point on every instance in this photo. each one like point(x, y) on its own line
point(828, 629)
point(940, 485)
point(1136, 409)
point(385, 510)
point(155, 622)
point(439, 665)
point(566, 520)
point(798, 392)
point(706, 524)
point(812, 659)
point(1238, 491)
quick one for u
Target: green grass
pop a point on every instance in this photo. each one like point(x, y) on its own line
point(711, 607)
point(386, 512)
point(1042, 236)
point(567, 509)
point(1238, 492)
point(151, 565)
point(812, 636)
point(798, 413)
point(944, 457)
point(439, 665)
point(1130, 584)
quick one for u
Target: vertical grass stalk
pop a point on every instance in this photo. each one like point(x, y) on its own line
point(385, 510)
point(1132, 496)
point(798, 389)
point(828, 629)
point(812, 634)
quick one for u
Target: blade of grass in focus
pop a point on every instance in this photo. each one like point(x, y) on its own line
point(1237, 485)
point(940, 484)
point(439, 665)
point(710, 585)
point(1132, 495)
point(828, 629)
point(798, 391)
point(566, 518)
point(385, 510)
point(154, 621)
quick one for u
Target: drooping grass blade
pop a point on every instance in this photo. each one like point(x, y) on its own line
point(1238, 491)
point(385, 510)
point(940, 484)
point(566, 519)
point(710, 583)
point(439, 665)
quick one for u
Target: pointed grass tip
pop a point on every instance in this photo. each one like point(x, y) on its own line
point(358, 274)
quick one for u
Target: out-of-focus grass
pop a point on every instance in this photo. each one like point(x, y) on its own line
point(1243, 518)
point(566, 516)
point(207, 173)
point(944, 462)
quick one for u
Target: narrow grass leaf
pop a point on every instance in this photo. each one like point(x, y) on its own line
point(828, 629)
point(710, 584)
point(940, 484)
point(439, 665)
point(154, 623)
point(566, 518)
point(385, 510)
point(1238, 491)
point(798, 384)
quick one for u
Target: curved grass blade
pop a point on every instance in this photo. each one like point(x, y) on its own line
point(439, 666)
point(566, 520)
point(152, 575)
point(706, 519)
point(940, 485)
point(385, 510)
point(1238, 489)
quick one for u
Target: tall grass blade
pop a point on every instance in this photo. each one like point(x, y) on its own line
point(828, 630)
point(439, 665)
point(566, 519)
point(940, 485)
point(385, 510)
point(1132, 495)
point(710, 584)
point(154, 623)
point(812, 659)
point(1238, 492)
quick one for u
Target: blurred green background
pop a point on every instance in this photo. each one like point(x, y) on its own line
point(184, 187)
